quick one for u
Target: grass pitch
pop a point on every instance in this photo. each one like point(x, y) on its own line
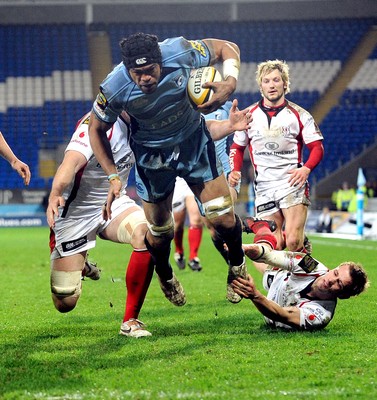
point(208, 349)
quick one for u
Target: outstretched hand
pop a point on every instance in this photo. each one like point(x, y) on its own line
point(113, 193)
point(245, 287)
point(239, 119)
point(52, 212)
point(23, 170)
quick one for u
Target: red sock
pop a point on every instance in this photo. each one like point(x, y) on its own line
point(138, 278)
point(194, 239)
point(264, 235)
point(178, 241)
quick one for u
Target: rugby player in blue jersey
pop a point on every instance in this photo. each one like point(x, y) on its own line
point(169, 139)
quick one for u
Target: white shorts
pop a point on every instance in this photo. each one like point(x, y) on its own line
point(181, 191)
point(269, 200)
point(74, 235)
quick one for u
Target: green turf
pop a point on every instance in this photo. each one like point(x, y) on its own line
point(208, 349)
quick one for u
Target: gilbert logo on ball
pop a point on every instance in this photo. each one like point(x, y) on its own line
point(196, 93)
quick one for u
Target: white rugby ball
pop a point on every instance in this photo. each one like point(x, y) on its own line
point(196, 93)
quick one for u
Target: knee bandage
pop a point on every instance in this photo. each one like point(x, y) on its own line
point(129, 224)
point(165, 230)
point(66, 283)
point(217, 207)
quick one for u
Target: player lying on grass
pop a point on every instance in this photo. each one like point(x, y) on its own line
point(75, 214)
point(302, 292)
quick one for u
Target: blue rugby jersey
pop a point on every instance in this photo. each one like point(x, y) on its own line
point(163, 118)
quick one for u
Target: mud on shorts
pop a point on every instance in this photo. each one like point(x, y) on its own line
point(272, 199)
point(73, 235)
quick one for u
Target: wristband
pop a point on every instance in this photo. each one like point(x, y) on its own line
point(111, 177)
point(231, 67)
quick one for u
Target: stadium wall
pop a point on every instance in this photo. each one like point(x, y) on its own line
point(92, 11)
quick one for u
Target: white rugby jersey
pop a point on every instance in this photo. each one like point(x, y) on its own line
point(287, 288)
point(88, 191)
point(276, 143)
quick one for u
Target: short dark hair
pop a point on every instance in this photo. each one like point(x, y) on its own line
point(140, 49)
point(359, 280)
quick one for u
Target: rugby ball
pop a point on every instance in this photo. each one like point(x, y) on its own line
point(196, 93)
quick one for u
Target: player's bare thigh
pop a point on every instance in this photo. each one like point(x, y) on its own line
point(211, 189)
point(74, 262)
point(295, 220)
point(138, 229)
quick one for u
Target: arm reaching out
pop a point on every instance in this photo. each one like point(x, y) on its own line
point(238, 121)
point(102, 151)
point(72, 162)
point(287, 315)
point(19, 166)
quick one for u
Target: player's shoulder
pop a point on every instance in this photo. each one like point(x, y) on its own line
point(117, 79)
point(297, 108)
point(255, 106)
point(180, 49)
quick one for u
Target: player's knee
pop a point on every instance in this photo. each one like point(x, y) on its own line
point(132, 229)
point(220, 207)
point(65, 289)
point(64, 304)
point(164, 231)
point(294, 243)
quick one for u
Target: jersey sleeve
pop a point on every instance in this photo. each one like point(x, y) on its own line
point(236, 154)
point(314, 316)
point(316, 153)
point(80, 139)
point(310, 131)
point(180, 52)
point(109, 101)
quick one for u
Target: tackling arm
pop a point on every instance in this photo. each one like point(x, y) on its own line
point(73, 161)
point(102, 151)
point(238, 121)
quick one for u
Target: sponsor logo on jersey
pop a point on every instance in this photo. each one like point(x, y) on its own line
point(125, 163)
point(308, 263)
point(168, 121)
point(271, 146)
point(179, 81)
point(198, 47)
point(139, 187)
point(74, 244)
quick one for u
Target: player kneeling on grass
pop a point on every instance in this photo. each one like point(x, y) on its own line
point(302, 292)
point(76, 217)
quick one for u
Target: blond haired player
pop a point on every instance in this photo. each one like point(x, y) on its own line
point(276, 138)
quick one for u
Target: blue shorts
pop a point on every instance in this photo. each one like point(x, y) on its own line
point(194, 159)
